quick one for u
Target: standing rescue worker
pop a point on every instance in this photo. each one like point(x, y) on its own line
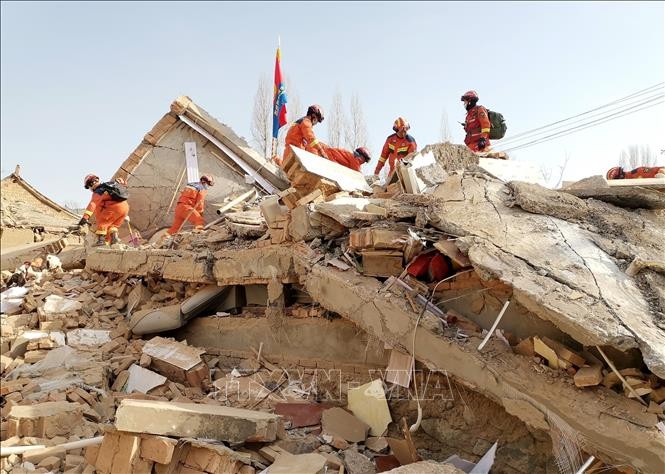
point(110, 207)
point(351, 159)
point(191, 204)
point(477, 124)
point(301, 133)
point(397, 146)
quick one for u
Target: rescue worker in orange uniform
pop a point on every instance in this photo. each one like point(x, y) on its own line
point(477, 124)
point(351, 159)
point(397, 146)
point(301, 133)
point(641, 172)
point(191, 204)
point(110, 207)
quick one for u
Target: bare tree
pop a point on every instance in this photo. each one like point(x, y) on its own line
point(355, 131)
point(445, 129)
point(72, 205)
point(336, 121)
point(294, 108)
point(635, 156)
point(552, 180)
point(262, 117)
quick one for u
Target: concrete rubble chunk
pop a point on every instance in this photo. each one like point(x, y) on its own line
point(233, 425)
point(426, 467)
point(357, 463)
point(338, 422)
point(142, 380)
point(549, 253)
point(368, 402)
point(311, 463)
point(44, 420)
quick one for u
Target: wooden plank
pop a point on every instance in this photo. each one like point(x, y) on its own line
point(345, 178)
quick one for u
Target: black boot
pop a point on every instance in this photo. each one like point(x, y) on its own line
point(114, 238)
point(101, 241)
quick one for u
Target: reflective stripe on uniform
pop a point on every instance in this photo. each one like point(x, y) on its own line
point(87, 213)
point(485, 130)
point(314, 142)
point(403, 149)
point(382, 159)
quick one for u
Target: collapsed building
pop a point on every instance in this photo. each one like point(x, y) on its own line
point(31, 222)
point(455, 318)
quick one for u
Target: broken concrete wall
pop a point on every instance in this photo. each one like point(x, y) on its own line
point(533, 398)
point(258, 265)
point(555, 266)
point(154, 181)
point(335, 340)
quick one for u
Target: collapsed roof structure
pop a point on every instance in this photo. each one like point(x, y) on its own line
point(534, 317)
point(155, 171)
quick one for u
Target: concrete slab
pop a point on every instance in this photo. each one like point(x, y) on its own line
point(189, 420)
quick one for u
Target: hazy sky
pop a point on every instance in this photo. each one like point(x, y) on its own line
point(83, 82)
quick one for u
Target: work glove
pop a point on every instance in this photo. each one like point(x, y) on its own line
point(127, 218)
point(482, 143)
point(83, 221)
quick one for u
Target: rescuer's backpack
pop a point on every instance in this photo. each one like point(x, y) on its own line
point(117, 191)
point(498, 125)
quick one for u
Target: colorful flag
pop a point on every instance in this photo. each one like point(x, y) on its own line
point(279, 98)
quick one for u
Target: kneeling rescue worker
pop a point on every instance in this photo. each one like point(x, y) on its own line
point(477, 124)
point(397, 146)
point(641, 172)
point(351, 159)
point(191, 204)
point(109, 205)
point(301, 133)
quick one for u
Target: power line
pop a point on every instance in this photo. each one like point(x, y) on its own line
point(606, 113)
point(578, 128)
point(647, 90)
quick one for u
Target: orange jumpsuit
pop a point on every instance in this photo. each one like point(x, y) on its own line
point(109, 214)
point(343, 157)
point(641, 172)
point(477, 126)
point(189, 207)
point(301, 135)
point(395, 149)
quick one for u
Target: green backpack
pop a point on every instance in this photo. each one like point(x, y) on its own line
point(498, 125)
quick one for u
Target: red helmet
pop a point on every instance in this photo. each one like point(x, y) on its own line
point(89, 180)
point(121, 181)
point(206, 178)
point(470, 96)
point(315, 110)
point(401, 123)
point(363, 153)
point(615, 173)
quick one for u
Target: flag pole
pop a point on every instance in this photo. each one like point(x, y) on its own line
point(274, 140)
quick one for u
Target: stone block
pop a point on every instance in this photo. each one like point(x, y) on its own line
point(46, 420)
point(196, 421)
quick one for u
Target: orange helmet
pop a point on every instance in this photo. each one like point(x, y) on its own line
point(615, 173)
point(363, 153)
point(470, 96)
point(121, 181)
point(401, 123)
point(206, 178)
point(315, 110)
point(89, 180)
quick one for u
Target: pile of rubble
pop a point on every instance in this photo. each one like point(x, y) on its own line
point(538, 317)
